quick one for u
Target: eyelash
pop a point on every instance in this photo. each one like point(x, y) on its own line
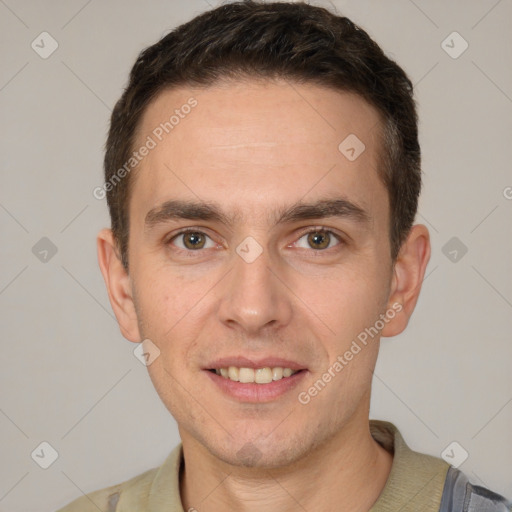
point(302, 234)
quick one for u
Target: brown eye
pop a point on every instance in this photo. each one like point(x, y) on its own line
point(192, 240)
point(318, 239)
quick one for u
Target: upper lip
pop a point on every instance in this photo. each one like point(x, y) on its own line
point(244, 362)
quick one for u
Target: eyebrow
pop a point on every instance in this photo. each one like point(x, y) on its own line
point(204, 211)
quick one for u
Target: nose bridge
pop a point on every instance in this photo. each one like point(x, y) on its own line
point(253, 298)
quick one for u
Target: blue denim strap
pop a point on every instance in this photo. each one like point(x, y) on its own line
point(459, 495)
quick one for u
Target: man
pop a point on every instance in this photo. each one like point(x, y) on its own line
point(262, 172)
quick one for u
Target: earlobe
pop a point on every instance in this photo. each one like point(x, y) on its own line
point(118, 285)
point(408, 274)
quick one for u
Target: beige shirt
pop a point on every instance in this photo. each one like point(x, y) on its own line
point(415, 483)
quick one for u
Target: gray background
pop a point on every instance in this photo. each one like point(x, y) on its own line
point(67, 375)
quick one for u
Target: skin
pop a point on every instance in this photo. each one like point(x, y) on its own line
point(256, 147)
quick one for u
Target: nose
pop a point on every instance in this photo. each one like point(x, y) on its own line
point(254, 296)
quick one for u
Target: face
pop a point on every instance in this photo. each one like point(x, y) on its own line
point(285, 261)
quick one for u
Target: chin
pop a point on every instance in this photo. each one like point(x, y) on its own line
point(263, 452)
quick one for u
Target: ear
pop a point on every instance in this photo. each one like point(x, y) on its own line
point(408, 274)
point(118, 285)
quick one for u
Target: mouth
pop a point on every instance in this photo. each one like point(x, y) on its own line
point(263, 375)
point(255, 381)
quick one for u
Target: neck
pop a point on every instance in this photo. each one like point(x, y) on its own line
point(346, 473)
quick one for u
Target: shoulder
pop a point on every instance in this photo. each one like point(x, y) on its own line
point(415, 481)
point(107, 499)
point(418, 481)
point(155, 489)
point(460, 495)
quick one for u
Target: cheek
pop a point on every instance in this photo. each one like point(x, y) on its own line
point(169, 310)
point(350, 300)
point(157, 305)
point(159, 302)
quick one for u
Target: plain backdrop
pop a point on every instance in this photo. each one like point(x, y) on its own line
point(68, 378)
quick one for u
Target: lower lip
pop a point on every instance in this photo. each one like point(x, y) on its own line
point(252, 392)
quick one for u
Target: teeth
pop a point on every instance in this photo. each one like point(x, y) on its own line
point(258, 375)
point(246, 375)
point(233, 373)
point(263, 375)
point(277, 373)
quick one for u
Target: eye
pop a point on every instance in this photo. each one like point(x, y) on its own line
point(192, 240)
point(319, 239)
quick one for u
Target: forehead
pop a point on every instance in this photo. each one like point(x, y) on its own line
point(256, 142)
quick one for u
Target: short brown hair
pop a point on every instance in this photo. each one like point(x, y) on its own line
point(295, 41)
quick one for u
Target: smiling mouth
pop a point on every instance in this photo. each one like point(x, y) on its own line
point(254, 375)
